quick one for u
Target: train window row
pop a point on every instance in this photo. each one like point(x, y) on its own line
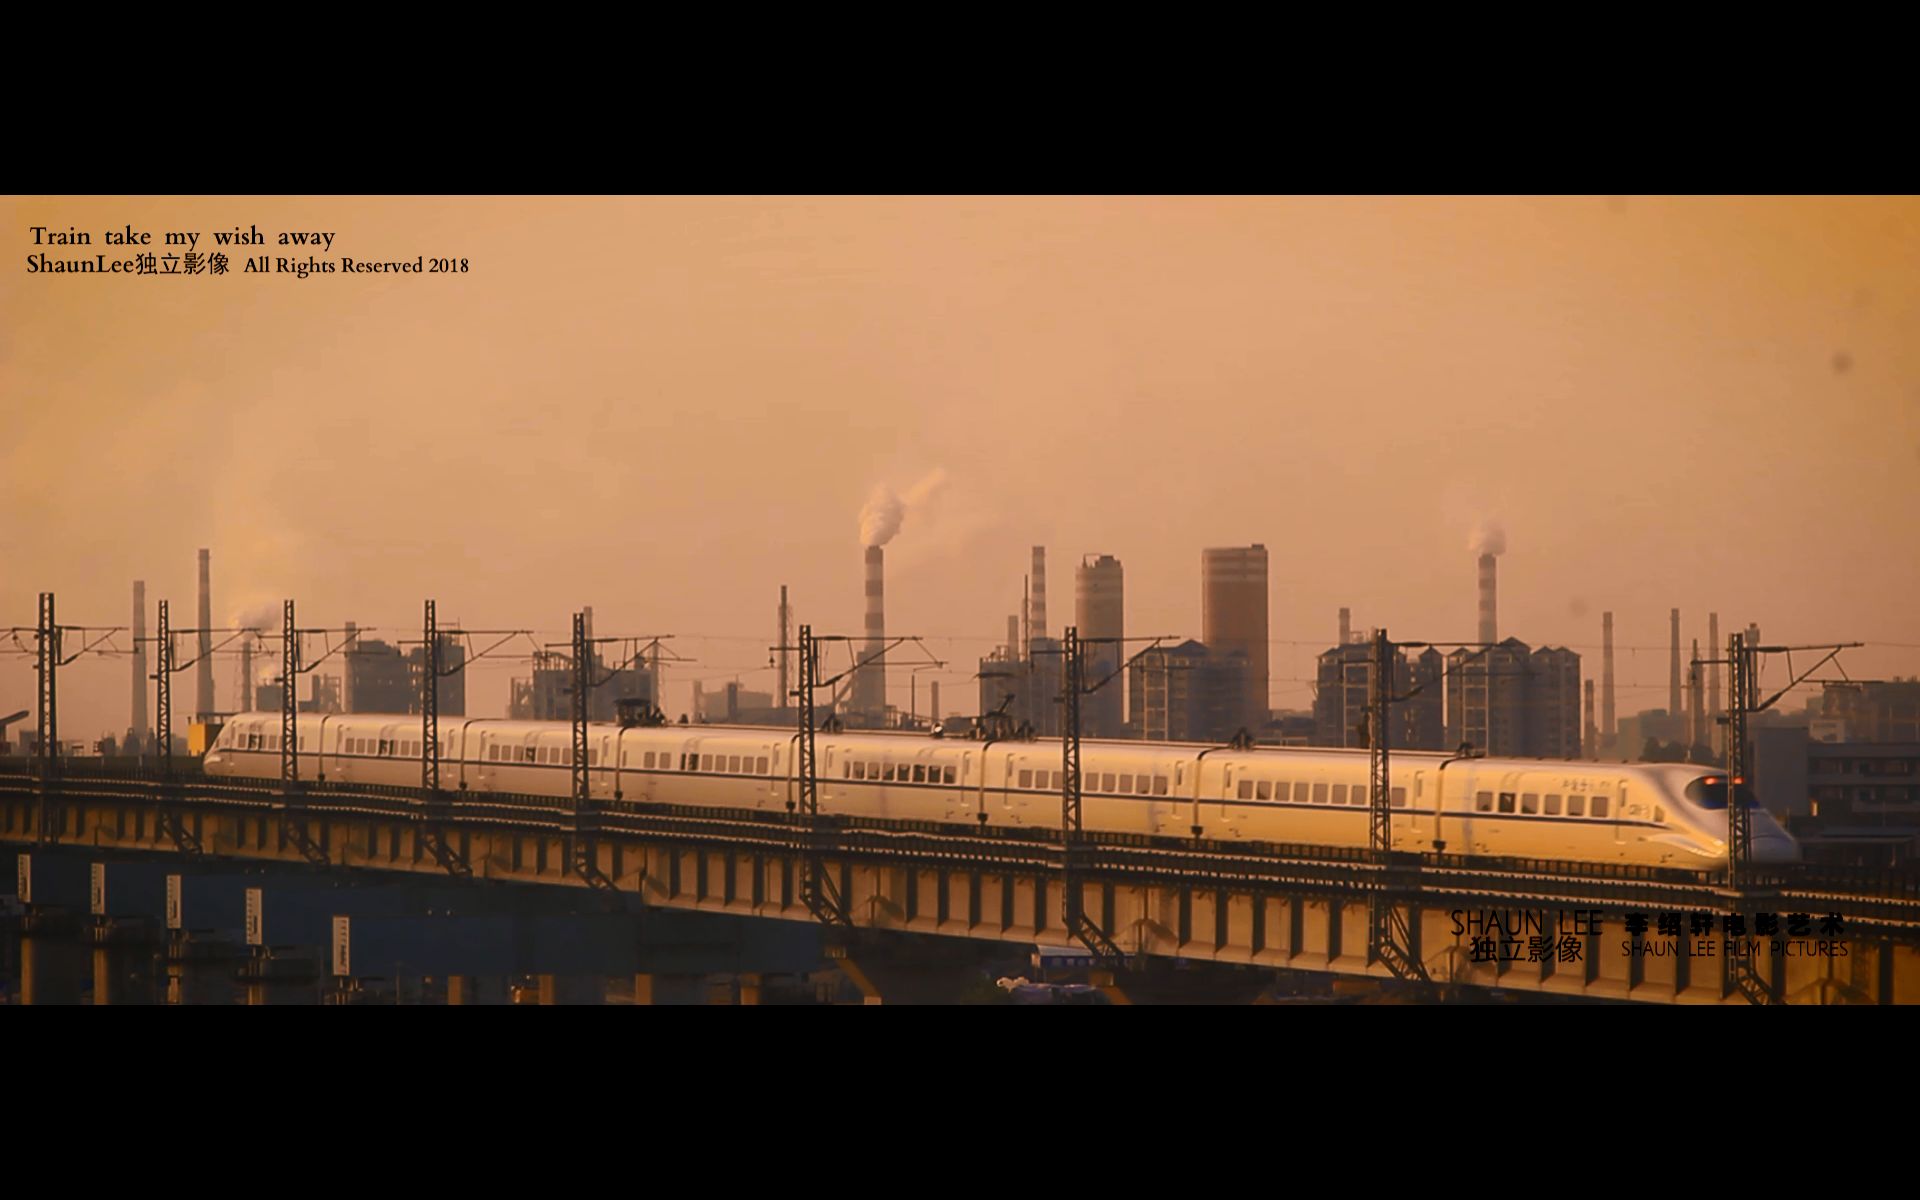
point(1109, 782)
point(1534, 803)
point(1313, 793)
point(899, 772)
point(554, 756)
point(730, 764)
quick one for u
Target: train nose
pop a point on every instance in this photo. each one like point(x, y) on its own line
point(1774, 846)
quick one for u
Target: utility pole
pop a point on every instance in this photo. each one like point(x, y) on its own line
point(1073, 684)
point(47, 646)
point(818, 890)
point(1390, 933)
point(163, 695)
point(289, 707)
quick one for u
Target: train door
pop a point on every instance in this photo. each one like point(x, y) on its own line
point(1007, 780)
point(1227, 811)
point(1622, 813)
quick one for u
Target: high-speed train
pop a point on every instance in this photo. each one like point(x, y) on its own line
point(1655, 814)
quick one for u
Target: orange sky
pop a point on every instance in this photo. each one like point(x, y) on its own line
point(666, 408)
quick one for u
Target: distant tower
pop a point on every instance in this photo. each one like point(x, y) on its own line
point(782, 700)
point(1489, 624)
point(1609, 731)
point(1233, 619)
point(1696, 708)
point(203, 671)
point(1099, 611)
point(137, 732)
point(1593, 734)
point(1714, 651)
point(1346, 627)
point(245, 703)
point(1039, 591)
point(1013, 637)
point(870, 691)
point(1673, 671)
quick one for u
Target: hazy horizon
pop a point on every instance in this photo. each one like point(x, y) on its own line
point(668, 408)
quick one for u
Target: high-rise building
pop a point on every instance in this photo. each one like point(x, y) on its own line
point(1345, 692)
point(1514, 702)
point(1099, 609)
point(1187, 693)
point(377, 678)
point(1233, 620)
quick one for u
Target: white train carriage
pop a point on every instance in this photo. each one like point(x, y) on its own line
point(1650, 814)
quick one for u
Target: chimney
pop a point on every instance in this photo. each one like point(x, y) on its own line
point(137, 734)
point(1489, 627)
point(935, 701)
point(1609, 731)
point(203, 671)
point(780, 664)
point(1346, 626)
point(1673, 668)
point(1696, 710)
point(1026, 616)
point(1039, 591)
point(1714, 651)
point(1593, 736)
point(246, 674)
point(871, 695)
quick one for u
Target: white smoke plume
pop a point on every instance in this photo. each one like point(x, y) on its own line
point(1488, 538)
point(880, 519)
point(263, 615)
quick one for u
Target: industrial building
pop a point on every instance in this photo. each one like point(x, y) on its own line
point(547, 695)
point(380, 679)
point(1025, 689)
point(1233, 622)
point(1849, 781)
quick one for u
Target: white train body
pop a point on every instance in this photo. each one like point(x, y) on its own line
point(1644, 813)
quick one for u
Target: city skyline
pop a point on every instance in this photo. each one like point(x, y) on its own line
point(680, 405)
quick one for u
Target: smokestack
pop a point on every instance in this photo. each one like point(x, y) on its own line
point(246, 673)
point(1714, 651)
point(138, 733)
point(1013, 638)
point(780, 670)
point(1489, 627)
point(935, 701)
point(1039, 591)
point(1673, 669)
point(203, 672)
point(1609, 731)
point(1696, 715)
point(1346, 626)
point(871, 695)
point(1026, 616)
point(1593, 734)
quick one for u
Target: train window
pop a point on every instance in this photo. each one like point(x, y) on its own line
point(1319, 793)
point(760, 765)
point(646, 760)
point(1529, 802)
point(948, 771)
point(1399, 797)
point(1483, 802)
point(1339, 793)
point(1159, 785)
point(1506, 802)
point(1576, 806)
point(733, 764)
point(859, 770)
point(1026, 779)
point(1599, 806)
point(1300, 790)
point(1264, 791)
point(1246, 789)
point(1553, 804)
point(1659, 815)
point(543, 754)
point(1126, 783)
point(847, 770)
point(706, 762)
